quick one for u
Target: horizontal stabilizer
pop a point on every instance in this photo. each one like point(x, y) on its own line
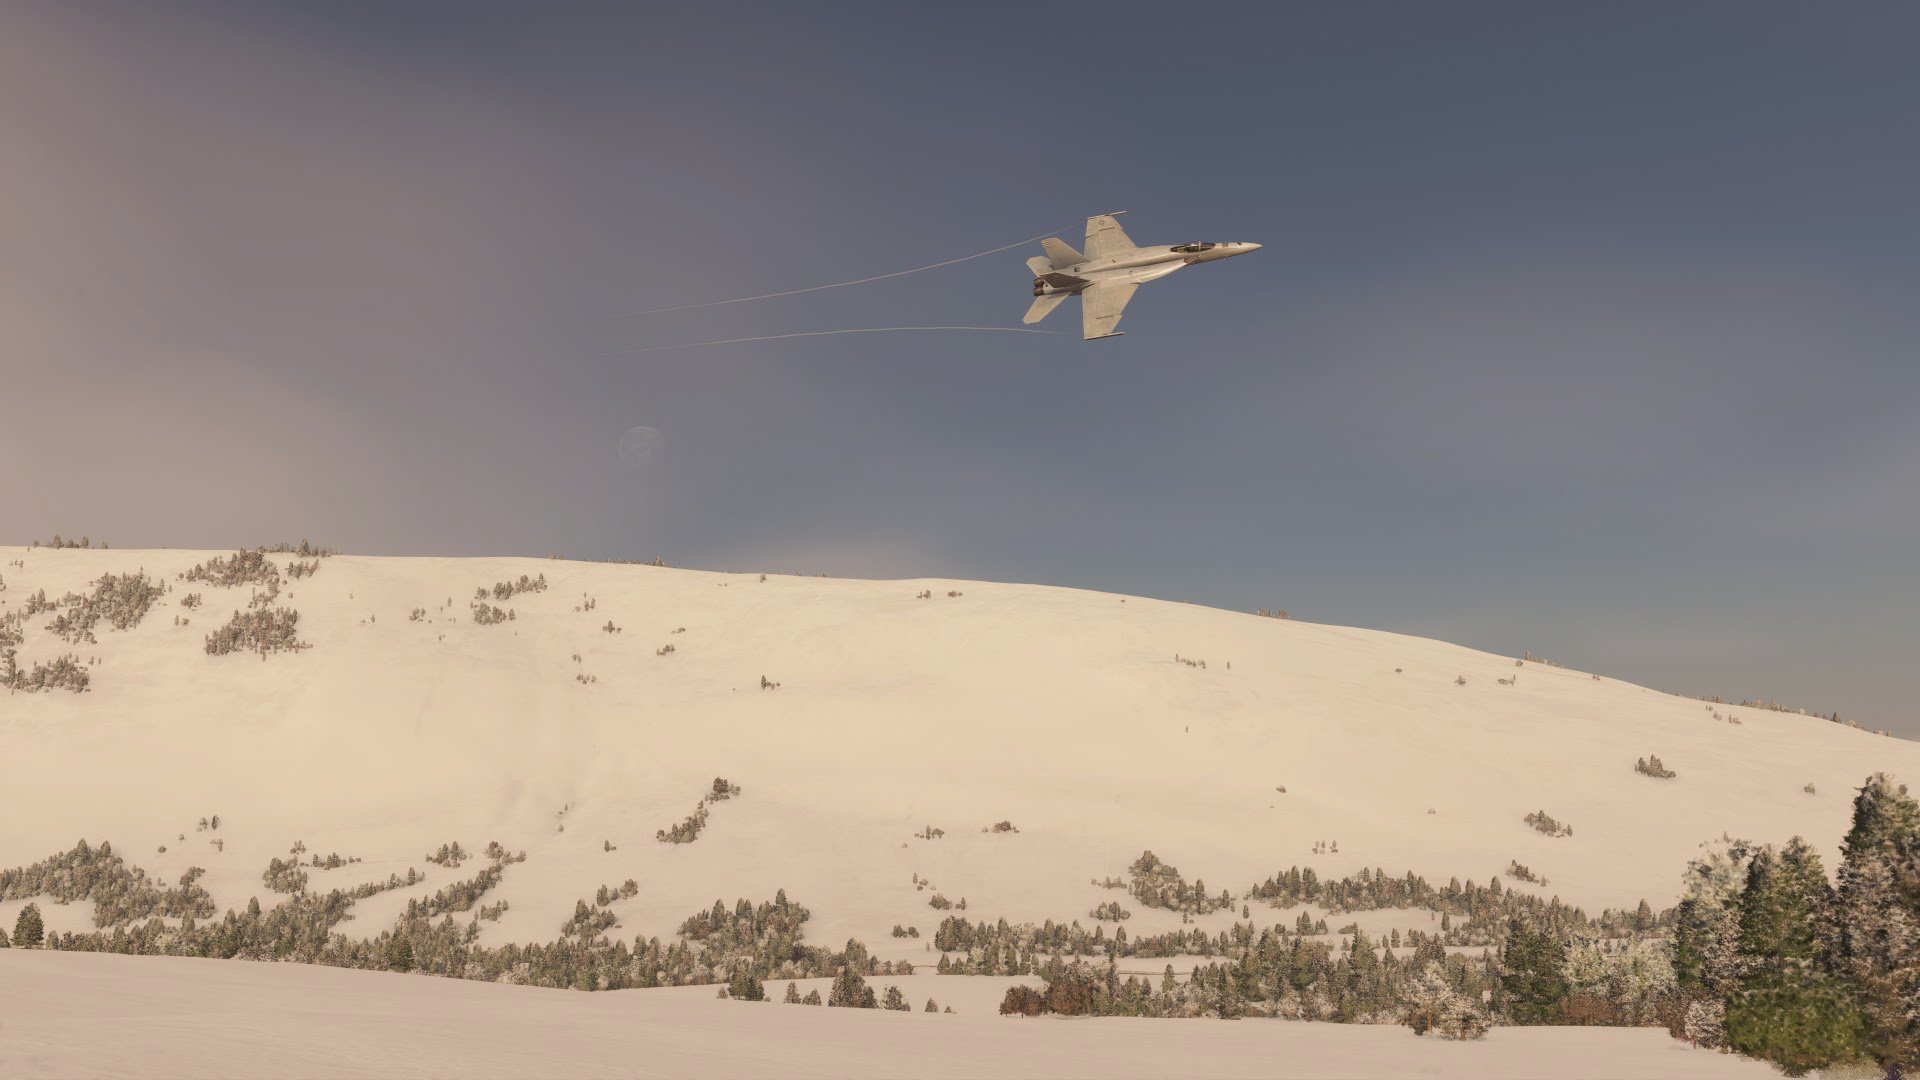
point(1061, 253)
point(1042, 305)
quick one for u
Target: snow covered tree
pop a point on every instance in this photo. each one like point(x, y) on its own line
point(793, 994)
point(1873, 942)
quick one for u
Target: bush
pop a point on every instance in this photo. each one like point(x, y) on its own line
point(1023, 1001)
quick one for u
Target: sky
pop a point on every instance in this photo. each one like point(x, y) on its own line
point(1583, 330)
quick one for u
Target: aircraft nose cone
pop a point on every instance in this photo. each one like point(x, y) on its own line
point(1249, 247)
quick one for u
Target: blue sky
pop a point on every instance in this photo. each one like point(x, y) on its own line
point(1585, 330)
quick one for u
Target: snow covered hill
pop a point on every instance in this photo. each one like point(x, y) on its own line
point(852, 715)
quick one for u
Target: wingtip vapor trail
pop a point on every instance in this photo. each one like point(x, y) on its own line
point(844, 284)
point(831, 333)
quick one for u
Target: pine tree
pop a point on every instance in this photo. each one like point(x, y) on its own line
point(931, 1007)
point(745, 986)
point(1533, 976)
point(28, 930)
point(895, 1001)
point(850, 991)
point(399, 954)
point(793, 994)
point(1873, 941)
point(812, 998)
point(1785, 1008)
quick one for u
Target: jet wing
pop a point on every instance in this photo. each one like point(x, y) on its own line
point(1105, 237)
point(1100, 308)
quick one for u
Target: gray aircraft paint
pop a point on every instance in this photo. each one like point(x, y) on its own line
point(1106, 276)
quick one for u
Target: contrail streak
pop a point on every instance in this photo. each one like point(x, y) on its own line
point(856, 281)
point(830, 333)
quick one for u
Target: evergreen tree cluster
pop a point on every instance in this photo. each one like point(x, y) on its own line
point(61, 673)
point(120, 599)
point(120, 892)
point(297, 569)
point(1651, 766)
point(305, 550)
point(57, 543)
point(717, 946)
point(243, 567)
point(507, 590)
point(1470, 914)
point(1155, 884)
point(1543, 822)
point(487, 615)
point(1775, 962)
point(263, 631)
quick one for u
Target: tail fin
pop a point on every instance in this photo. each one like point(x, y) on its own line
point(1061, 253)
point(1042, 305)
point(1040, 266)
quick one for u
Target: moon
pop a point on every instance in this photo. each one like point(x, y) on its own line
point(639, 446)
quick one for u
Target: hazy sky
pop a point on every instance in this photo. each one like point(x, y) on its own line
point(1592, 330)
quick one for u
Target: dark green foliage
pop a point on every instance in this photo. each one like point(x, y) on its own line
point(1797, 1017)
point(399, 954)
point(1533, 983)
point(28, 930)
point(850, 991)
point(746, 986)
point(1875, 942)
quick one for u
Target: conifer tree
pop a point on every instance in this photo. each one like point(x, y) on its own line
point(793, 994)
point(745, 986)
point(1533, 980)
point(399, 954)
point(1874, 934)
point(1786, 1008)
point(850, 991)
point(28, 930)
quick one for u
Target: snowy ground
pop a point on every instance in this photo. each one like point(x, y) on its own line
point(75, 1014)
point(1062, 711)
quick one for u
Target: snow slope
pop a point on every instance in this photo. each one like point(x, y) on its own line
point(1061, 711)
point(170, 1016)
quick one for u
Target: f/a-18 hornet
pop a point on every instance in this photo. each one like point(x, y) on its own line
point(1105, 277)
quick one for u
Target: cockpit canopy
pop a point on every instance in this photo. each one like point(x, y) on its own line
point(1195, 248)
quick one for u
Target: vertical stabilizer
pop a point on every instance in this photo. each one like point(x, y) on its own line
point(1061, 253)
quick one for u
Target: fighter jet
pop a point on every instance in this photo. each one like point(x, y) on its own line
point(1105, 277)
